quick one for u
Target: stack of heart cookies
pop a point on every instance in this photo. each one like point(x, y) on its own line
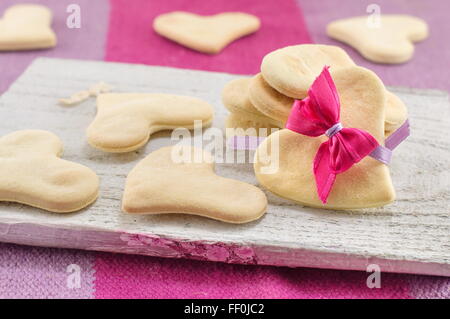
point(244, 117)
point(337, 117)
point(286, 75)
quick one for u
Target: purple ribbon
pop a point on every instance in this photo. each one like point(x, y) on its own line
point(384, 153)
point(398, 136)
point(381, 153)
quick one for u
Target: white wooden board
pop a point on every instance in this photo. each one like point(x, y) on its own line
point(412, 235)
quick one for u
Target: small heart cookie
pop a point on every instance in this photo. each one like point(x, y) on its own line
point(389, 42)
point(245, 119)
point(235, 97)
point(26, 27)
point(366, 184)
point(268, 100)
point(181, 179)
point(125, 121)
point(208, 34)
point(33, 174)
point(292, 70)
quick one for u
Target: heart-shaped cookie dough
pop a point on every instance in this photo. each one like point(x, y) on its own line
point(366, 184)
point(235, 97)
point(391, 41)
point(208, 34)
point(181, 179)
point(268, 100)
point(33, 174)
point(292, 70)
point(26, 27)
point(125, 121)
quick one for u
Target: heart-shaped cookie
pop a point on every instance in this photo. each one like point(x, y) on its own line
point(26, 27)
point(301, 64)
point(268, 100)
point(235, 97)
point(237, 125)
point(366, 184)
point(396, 113)
point(125, 121)
point(33, 174)
point(208, 34)
point(292, 70)
point(181, 179)
point(277, 106)
point(389, 41)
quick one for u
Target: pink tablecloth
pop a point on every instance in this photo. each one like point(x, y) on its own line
point(120, 30)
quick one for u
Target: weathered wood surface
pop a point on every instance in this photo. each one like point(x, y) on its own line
point(412, 235)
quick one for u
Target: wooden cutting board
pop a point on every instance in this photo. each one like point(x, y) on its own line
point(412, 235)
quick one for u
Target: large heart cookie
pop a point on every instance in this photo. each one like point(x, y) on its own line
point(391, 41)
point(235, 97)
point(181, 179)
point(366, 184)
point(26, 27)
point(33, 174)
point(125, 121)
point(292, 70)
point(208, 34)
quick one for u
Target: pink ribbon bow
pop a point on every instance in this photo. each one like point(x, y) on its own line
point(319, 114)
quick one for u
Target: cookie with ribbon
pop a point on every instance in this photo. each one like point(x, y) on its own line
point(331, 154)
point(290, 71)
point(26, 27)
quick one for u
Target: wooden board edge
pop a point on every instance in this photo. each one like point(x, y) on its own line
point(153, 245)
